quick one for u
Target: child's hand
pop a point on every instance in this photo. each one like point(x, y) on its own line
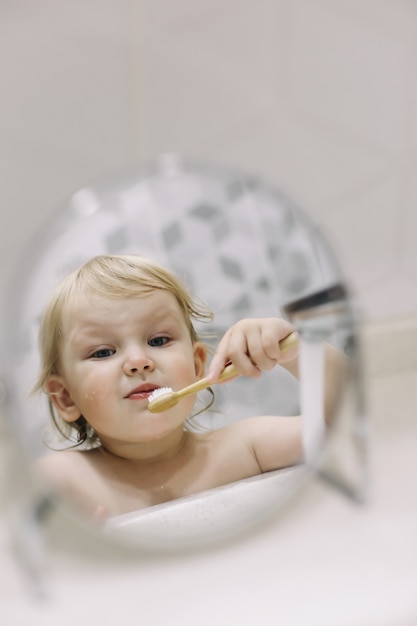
point(252, 345)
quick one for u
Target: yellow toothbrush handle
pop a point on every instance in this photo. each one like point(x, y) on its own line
point(228, 372)
point(289, 342)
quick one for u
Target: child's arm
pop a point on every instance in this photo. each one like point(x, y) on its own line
point(253, 345)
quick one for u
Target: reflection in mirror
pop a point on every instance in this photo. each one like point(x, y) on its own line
point(136, 284)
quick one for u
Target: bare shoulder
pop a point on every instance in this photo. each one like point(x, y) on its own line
point(72, 476)
point(275, 441)
point(63, 458)
point(58, 468)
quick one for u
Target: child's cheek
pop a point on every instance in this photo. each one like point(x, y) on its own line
point(95, 390)
point(98, 394)
point(185, 375)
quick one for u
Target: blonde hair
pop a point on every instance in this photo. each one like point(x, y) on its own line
point(115, 276)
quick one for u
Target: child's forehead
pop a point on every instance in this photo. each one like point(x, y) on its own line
point(95, 306)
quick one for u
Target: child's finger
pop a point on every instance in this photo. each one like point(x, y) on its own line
point(217, 365)
point(261, 355)
point(215, 369)
point(222, 356)
point(233, 348)
point(269, 345)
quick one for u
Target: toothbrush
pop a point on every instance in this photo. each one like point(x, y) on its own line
point(165, 398)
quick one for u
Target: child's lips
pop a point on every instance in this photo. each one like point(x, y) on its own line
point(142, 393)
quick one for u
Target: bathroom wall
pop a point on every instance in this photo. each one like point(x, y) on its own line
point(319, 97)
point(316, 96)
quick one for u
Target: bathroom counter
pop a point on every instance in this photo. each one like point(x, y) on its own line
point(323, 560)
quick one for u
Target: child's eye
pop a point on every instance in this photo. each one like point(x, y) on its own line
point(102, 353)
point(158, 341)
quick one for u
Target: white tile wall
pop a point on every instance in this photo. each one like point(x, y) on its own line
point(349, 75)
point(408, 255)
point(318, 97)
point(65, 109)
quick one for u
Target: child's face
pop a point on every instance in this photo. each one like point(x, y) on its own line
point(114, 352)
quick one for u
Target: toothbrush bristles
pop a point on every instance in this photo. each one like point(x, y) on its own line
point(156, 393)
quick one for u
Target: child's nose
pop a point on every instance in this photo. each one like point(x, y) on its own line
point(138, 361)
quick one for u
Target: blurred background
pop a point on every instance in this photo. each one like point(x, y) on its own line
point(316, 97)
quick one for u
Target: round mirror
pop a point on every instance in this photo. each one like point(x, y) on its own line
point(238, 245)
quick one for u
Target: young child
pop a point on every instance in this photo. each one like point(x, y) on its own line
point(113, 332)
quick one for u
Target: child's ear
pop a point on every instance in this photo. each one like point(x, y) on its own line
point(200, 358)
point(61, 398)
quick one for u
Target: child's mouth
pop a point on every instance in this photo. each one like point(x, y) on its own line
point(142, 393)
